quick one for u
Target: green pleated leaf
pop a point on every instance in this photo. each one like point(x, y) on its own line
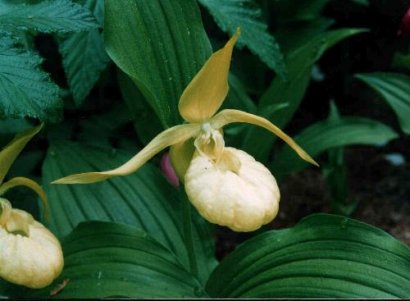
point(46, 16)
point(259, 142)
point(395, 90)
point(143, 199)
point(147, 124)
point(25, 89)
point(84, 56)
point(161, 45)
point(324, 256)
point(111, 260)
point(231, 14)
point(330, 133)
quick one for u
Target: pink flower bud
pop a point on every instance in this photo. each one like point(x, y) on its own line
point(168, 170)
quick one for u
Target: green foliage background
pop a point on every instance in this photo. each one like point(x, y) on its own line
point(106, 77)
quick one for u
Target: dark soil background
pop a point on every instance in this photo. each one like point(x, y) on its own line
point(380, 188)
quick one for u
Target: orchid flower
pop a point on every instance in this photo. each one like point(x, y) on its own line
point(30, 255)
point(226, 185)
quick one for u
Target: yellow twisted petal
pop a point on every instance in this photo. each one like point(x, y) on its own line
point(230, 116)
point(174, 135)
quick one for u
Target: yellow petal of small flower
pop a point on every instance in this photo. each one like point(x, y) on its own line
point(30, 255)
point(236, 191)
point(13, 149)
point(22, 181)
point(208, 89)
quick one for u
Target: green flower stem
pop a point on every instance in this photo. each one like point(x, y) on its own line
point(187, 231)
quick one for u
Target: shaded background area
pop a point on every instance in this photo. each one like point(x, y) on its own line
point(379, 186)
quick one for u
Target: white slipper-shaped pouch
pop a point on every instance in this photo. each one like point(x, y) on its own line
point(30, 255)
point(235, 191)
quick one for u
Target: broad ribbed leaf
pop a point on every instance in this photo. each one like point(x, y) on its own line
point(25, 89)
point(231, 14)
point(258, 142)
point(84, 56)
point(331, 133)
point(161, 45)
point(395, 90)
point(111, 260)
point(46, 16)
point(324, 256)
point(147, 124)
point(144, 200)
